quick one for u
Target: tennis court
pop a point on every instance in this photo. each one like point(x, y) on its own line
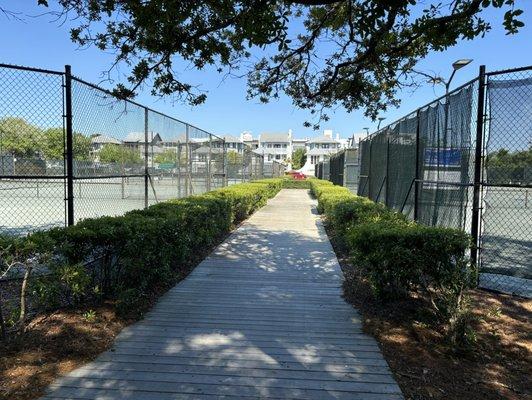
point(29, 205)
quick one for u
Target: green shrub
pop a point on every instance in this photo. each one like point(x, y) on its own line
point(132, 257)
point(291, 183)
point(67, 284)
point(399, 257)
point(344, 213)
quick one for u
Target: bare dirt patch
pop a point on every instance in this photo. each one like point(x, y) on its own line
point(497, 366)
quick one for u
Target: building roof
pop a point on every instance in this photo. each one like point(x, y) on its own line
point(274, 137)
point(183, 139)
point(138, 137)
point(231, 139)
point(323, 139)
point(102, 139)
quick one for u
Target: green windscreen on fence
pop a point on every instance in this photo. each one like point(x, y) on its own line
point(437, 143)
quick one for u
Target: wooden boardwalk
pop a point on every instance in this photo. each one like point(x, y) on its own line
point(261, 317)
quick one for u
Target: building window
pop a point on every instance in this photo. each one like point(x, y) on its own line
point(314, 159)
point(324, 146)
point(284, 146)
point(276, 146)
point(277, 156)
point(269, 145)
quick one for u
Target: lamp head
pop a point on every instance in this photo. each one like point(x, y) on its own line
point(461, 63)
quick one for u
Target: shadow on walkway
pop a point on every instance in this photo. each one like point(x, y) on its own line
point(261, 317)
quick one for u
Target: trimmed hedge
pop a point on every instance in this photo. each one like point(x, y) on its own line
point(133, 257)
point(399, 257)
point(291, 183)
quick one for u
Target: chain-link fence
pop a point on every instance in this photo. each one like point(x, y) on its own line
point(506, 239)
point(31, 149)
point(244, 164)
point(273, 169)
point(70, 150)
point(464, 161)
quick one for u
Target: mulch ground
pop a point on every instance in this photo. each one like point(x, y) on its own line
point(497, 366)
point(54, 344)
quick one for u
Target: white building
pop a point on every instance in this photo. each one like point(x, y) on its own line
point(280, 147)
point(320, 148)
point(299, 144)
point(232, 143)
point(275, 146)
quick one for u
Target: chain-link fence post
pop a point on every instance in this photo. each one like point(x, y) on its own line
point(243, 174)
point(208, 169)
point(417, 171)
point(369, 168)
point(69, 150)
point(146, 156)
point(387, 176)
point(224, 164)
point(179, 168)
point(187, 162)
point(475, 215)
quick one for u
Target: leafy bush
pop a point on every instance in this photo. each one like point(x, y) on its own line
point(403, 257)
point(291, 183)
point(130, 258)
point(400, 257)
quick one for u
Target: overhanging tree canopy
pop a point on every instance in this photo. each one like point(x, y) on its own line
point(321, 53)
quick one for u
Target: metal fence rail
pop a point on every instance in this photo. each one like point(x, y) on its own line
point(70, 150)
point(465, 161)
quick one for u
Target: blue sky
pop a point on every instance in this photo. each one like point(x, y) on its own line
point(40, 42)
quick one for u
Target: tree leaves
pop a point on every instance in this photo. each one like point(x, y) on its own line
point(322, 53)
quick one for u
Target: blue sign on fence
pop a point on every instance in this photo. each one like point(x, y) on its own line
point(447, 157)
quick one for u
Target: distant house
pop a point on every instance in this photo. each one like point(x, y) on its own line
point(275, 146)
point(98, 141)
point(299, 144)
point(232, 143)
point(247, 139)
point(319, 149)
point(136, 141)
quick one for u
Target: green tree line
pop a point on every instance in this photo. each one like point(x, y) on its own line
point(22, 139)
point(505, 166)
point(112, 153)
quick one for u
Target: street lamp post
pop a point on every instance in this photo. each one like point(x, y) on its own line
point(458, 64)
point(380, 120)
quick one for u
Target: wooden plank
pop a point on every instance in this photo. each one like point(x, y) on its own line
point(236, 368)
point(127, 394)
